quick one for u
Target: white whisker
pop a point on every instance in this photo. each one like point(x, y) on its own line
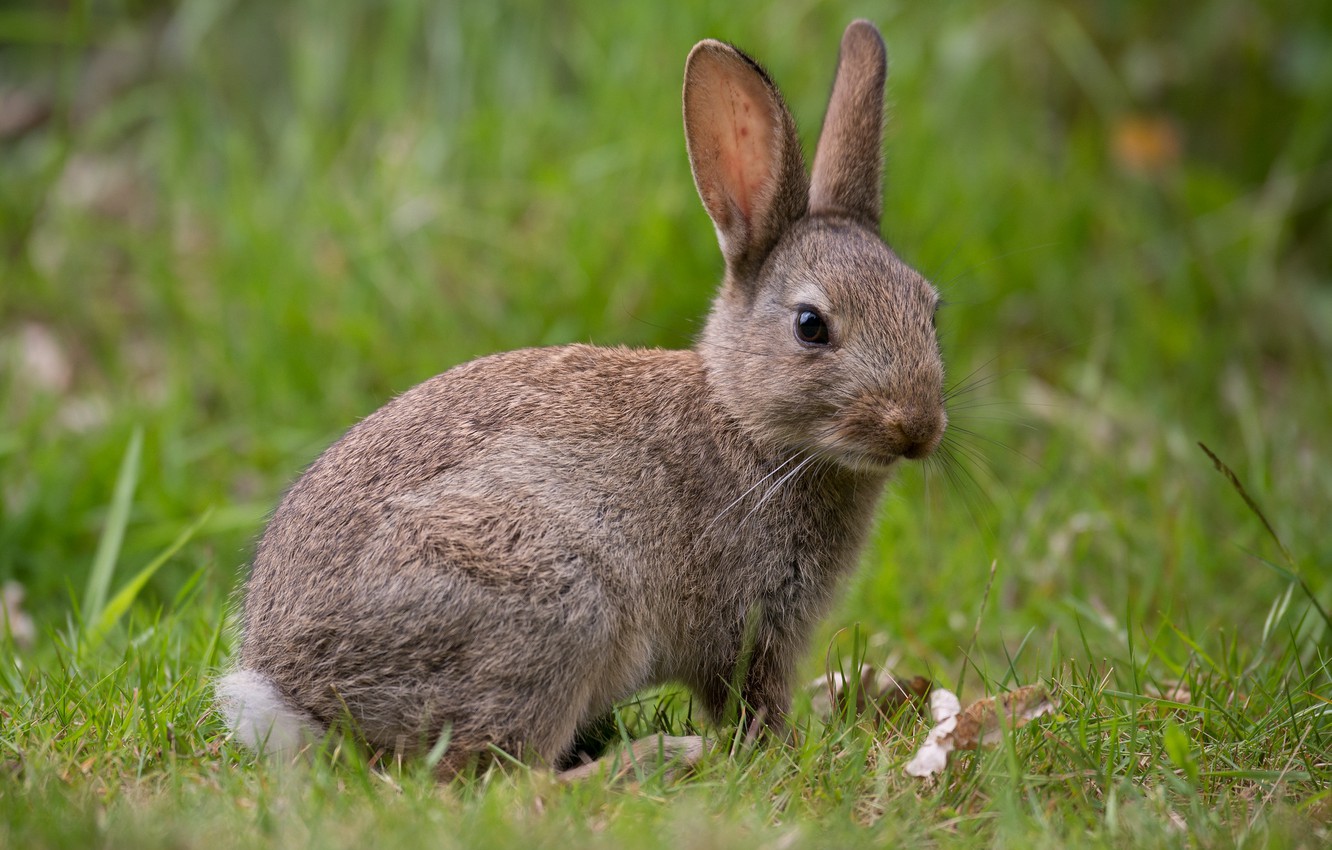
point(773, 489)
point(752, 488)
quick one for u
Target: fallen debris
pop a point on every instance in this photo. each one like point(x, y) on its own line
point(877, 689)
point(13, 619)
point(981, 723)
point(670, 755)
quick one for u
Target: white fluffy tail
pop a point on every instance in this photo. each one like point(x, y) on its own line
point(260, 718)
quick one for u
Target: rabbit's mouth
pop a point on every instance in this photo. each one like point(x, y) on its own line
point(870, 439)
point(861, 460)
point(876, 463)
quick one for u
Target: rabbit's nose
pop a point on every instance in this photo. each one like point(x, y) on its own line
point(919, 432)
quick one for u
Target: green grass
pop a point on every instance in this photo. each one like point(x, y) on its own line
point(291, 212)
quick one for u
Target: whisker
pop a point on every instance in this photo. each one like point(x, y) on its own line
point(773, 489)
point(974, 386)
point(973, 495)
point(958, 386)
point(962, 450)
point(1009, 421)
point(977, 383)
point(972, 453)
point(751, 489)
point(960, 432)
point(979, 403)
point(982, 463)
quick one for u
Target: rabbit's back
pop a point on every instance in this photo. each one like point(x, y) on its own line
point(581, 435)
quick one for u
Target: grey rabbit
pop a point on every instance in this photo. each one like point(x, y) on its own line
point(504, 551)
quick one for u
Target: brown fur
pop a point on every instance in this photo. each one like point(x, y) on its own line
point(511, 547)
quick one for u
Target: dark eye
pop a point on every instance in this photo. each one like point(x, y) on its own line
point(810, 327)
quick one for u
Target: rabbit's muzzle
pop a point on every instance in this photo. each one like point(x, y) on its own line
point(878, 433)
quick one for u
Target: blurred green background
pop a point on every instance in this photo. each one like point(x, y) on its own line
point(243, 225)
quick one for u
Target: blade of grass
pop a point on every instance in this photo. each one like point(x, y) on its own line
point(120, 603)
point(1248, 500)
point(1289, 574)
point(1295, 578)
point(980, 616)
point(113, 534)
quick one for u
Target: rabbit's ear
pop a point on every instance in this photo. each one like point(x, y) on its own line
point(848, 165)
point(744, 152)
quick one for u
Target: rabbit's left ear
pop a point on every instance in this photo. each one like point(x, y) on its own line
point(848, 165)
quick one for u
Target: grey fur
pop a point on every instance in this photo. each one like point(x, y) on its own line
point(509, 548)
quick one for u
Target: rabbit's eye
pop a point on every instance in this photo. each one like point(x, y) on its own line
point(810, 328)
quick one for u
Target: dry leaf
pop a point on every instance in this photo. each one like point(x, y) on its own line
point(981, 723)
point(932, 757)
point(12, 616)
point(1171, 692)
point(882, 690)
point(43, 362)
point(22, 110)
point(1172, 697)
point(672, 755)
point(1146, 144)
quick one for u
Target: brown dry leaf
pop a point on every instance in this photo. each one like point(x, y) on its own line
point(881, 690)
point(42, 360)
point(981, 723)
point(12, 616)
point(106, 186)
point(22, 110)
point(1146, 144)
point(1175, 692)
point(672, 755)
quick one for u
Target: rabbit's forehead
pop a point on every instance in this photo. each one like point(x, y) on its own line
point(854, 275)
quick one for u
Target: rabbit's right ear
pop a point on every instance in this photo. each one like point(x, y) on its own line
point(744, 152)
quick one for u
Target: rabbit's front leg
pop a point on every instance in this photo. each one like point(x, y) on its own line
point(755, 686)
point(765, 696)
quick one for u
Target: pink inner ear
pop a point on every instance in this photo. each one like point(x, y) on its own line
point(746, 147)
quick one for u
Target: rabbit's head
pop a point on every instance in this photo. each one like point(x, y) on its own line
point(820, 339)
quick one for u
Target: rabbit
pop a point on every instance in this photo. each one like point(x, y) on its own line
point(503, 552)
